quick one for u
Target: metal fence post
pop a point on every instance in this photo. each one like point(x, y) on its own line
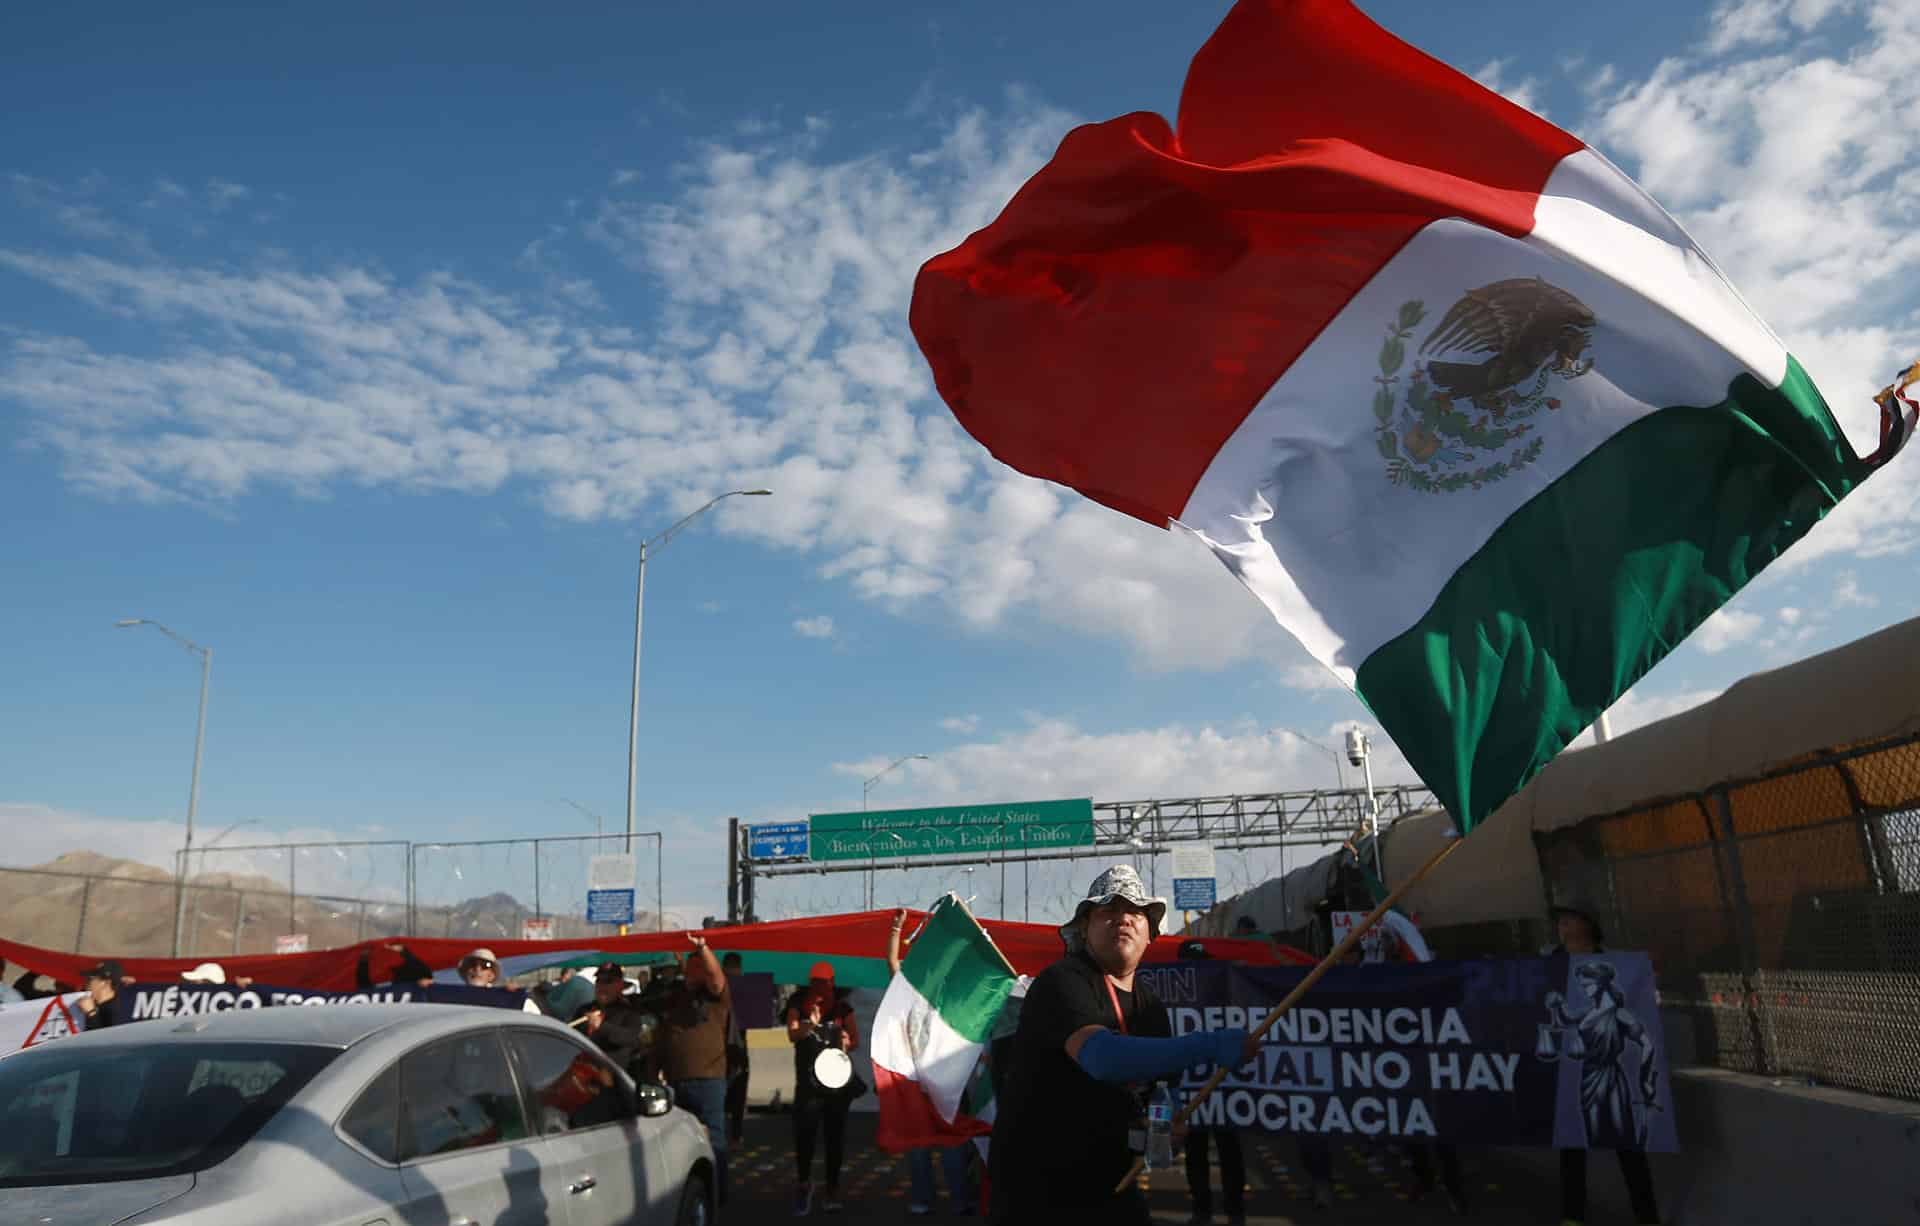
point(80, 926)
point(293, 859)
point(239, 918)
point(1743, 928)
point(537, 912)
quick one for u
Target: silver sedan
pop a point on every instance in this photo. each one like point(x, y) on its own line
point(343, 1115)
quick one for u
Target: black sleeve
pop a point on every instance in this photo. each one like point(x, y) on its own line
point(362, 978)
point(622, 1028)
point(411, 968)
point(1060, 1002)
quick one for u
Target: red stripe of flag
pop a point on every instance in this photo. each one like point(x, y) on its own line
point(908, 1120)
point(1136, 298)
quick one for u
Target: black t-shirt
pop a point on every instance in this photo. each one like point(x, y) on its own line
point(839, 1013)
point(1060, 1138)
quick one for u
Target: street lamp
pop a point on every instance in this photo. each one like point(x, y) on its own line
point(866, 789)
point(599, 826)
point(639, 598)
point(1360, 753)
point(199, 743)
point(1324, 748)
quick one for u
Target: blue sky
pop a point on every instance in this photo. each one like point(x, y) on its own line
point(365, 349)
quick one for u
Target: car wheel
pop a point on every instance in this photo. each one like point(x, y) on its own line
point(695, 1208)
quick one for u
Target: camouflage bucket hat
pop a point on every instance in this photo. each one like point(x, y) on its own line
point(1120, 881)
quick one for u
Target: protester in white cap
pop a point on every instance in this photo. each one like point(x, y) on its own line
point(1090, 1044)
point(480, 969)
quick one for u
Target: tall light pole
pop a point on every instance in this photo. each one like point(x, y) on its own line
point(1360, 753)
point(199, 743)
point(639, 600)
point(866, 789)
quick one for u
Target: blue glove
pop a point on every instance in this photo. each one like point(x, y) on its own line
point(1120, 1058)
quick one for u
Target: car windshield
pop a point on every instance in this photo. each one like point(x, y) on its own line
point(84, 1114)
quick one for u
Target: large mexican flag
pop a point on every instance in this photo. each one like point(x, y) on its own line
point(936, 1017)
point(1462, 405)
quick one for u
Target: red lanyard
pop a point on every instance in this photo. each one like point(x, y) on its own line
point(1115, 998)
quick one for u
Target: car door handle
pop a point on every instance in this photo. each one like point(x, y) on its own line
point(585, 1183)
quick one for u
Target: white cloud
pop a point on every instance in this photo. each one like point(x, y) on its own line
point(1498, 76)
point(961, 723)
point(1312, 677)
point(1057, 758)
point(1727, 628)
point(782, 358)
point(1637, 708)
point(1847, 593)
point(1739, 24)
point(820, 627)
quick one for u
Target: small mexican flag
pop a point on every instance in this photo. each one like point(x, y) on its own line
point(936, 1017)
point(1466, 409)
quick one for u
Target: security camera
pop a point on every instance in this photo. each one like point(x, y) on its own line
point(1356, 747)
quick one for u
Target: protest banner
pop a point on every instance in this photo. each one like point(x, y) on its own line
point(147, 1001)
point(1563, 1053)
point(33, 1022)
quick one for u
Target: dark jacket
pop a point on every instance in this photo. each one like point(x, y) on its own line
point(625, 1033)
point(410, 971)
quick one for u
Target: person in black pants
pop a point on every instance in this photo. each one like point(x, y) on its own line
point(1233, 1161)
point(738, 1063)
point(1580, 933)
point(818, 1018)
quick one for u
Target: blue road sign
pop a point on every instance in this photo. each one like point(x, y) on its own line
point(777, 841)
point(609, 906)
point(1193, 893)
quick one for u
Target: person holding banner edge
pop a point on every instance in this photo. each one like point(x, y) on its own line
point(1090, 1038)
point(1580, 933)
point(691, 1053)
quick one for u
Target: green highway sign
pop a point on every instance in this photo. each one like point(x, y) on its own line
point(951, 830)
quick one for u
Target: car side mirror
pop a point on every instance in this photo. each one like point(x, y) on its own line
point(655, 1100)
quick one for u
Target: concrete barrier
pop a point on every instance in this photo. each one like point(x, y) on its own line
point(1764, 1152)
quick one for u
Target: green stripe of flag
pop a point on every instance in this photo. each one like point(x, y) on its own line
point(954, 968)
point(1530, 641)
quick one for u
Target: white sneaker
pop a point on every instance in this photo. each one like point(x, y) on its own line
point(919, 1210)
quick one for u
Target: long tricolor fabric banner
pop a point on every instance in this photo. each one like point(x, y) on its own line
point(787, 948)
point(1466, 409)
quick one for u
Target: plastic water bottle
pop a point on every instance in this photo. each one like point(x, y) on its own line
point(1160, 1128)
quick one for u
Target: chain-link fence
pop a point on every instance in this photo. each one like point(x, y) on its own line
point(1782, 912)
point(486, 889)
point(131, 915)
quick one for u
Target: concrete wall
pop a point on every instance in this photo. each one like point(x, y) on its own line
point(1753, 1152)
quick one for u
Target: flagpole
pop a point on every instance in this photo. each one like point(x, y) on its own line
point(1292, 998)
point(968, 911)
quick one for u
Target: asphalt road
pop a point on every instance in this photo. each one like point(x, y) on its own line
point(1372, 1184)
